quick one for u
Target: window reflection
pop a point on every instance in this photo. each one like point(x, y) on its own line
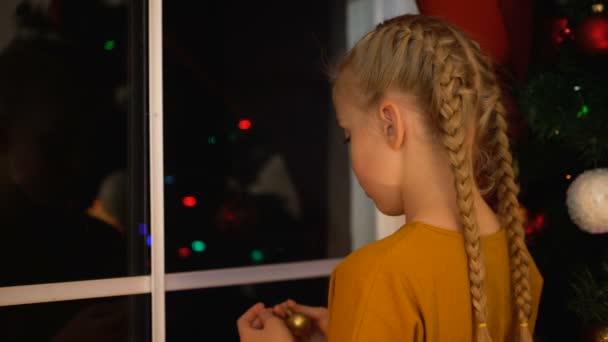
point(63, 143)
point(93, 320)
point(248, 130)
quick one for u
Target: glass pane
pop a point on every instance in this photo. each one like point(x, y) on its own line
point(207, 314)
point(255, 169)
point(72, 168)
point(91, 320)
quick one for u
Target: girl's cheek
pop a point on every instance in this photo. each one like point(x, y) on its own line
point(360, 167)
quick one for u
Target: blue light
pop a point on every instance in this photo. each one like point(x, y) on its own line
point(143, 229)
point(169, 180)
point(149, 240)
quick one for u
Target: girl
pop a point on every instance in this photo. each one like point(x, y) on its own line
point(422, 108)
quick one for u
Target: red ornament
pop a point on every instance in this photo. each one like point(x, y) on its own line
point(484, 24)
point(592, 35)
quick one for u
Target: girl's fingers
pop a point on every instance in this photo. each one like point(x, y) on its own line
point(313, 312)
point(281, 309)
point(266, 315)
point(245, 321)
point(257, 323)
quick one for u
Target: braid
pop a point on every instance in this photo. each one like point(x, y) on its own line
point(509, 214)
point(453, 137)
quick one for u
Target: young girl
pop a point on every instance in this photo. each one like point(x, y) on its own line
point(422, 108)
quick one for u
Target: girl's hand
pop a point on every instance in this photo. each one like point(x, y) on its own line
point(317, 315)
point(259, 324)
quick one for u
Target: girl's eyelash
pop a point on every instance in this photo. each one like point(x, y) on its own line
point(346, 140)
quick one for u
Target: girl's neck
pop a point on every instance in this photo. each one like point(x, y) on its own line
point(430, 197)
point(447, 216)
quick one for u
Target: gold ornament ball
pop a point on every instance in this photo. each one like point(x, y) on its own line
point(597, 8)
point(602, 335)
point(298, 323)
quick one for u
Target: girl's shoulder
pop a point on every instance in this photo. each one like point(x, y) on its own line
point(402, 248)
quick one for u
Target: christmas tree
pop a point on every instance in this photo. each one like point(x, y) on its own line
point(563, 156)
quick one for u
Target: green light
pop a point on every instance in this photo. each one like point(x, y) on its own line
point(257, 255)
point(583, 112)
point(211, 140)
point(198, 246)
point(109, 45)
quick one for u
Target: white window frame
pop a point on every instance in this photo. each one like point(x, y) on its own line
point(367, 223)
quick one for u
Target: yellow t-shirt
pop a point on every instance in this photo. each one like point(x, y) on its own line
point(414, 286)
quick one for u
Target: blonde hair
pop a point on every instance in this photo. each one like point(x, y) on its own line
point(456, 86)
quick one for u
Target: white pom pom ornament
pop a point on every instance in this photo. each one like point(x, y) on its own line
point(587, 201)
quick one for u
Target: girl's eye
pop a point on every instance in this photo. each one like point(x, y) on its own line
point(346, 140)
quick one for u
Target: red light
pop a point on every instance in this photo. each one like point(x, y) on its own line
point(529, 229)
point(567, 31)
point(539, 221)
point(189, 201)
point(184, 252)
point(245, 124)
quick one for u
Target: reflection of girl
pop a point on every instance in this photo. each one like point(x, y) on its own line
point(422, 107)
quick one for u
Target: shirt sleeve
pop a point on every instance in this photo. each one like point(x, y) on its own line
point(379, 308)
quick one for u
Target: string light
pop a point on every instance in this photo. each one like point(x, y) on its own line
point(109, 45)
point(568, 176)
point(149, 240)
point(199, 246)
point(169, 180)
point(257, 255)
point(597, 8)
point(244, 124)
point(211, 140)
point(184, 252)
point(583, 111)
point(189, 201)
point(143, 229)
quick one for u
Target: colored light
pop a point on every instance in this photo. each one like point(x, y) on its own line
point(567, 30)
point(212, 140)
point(109, 45)
point(597, 8)
point(198, 246)
point(149, 240)
point(189, 201)
point(143, 229)
point(257, 255)
point(169, 180)
point(245, 124)
point(184, 252)
point(583, 111)
point(539, 221)
point(568, 176)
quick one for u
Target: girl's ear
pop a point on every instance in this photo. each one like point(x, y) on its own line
point(393, 125)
